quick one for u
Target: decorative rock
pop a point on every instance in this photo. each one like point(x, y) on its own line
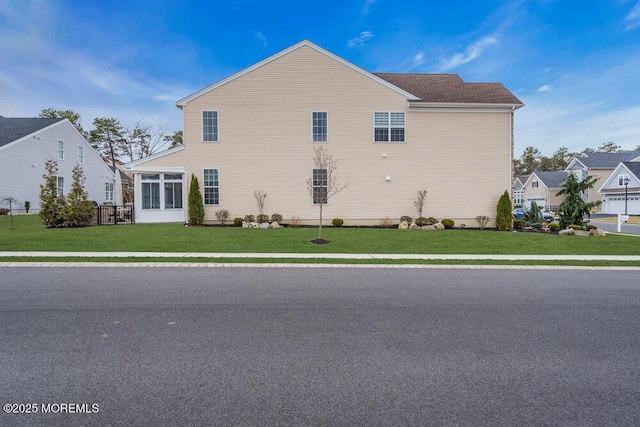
point(597, 232)
point(245, 224)
point(254, 225)
point(275, 224)
point(414, 226)
point(428, 227)
point(567, 232)
point(439, 226)
point(264, 225)
point(403, 225)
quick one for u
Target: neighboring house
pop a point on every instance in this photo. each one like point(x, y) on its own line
point(392, 135)
point(601, 166)
point(516, 190)
point(541, 187)
point(618, 198)
point(27, 143)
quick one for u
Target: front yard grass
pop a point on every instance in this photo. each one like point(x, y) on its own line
point(30, 235)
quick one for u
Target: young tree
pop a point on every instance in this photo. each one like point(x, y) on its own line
point(418, 202)
point(323, 183)
point(573, 209)
point(143, 140)
point(504, 214)
point(107, 138)
point(196, 205)
point(79, 209)
point(10, 201)
point(260, 197)
point(535, 214)
point(52, 204)
point(72, 116)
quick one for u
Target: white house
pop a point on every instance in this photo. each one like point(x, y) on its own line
point(621, 191)
point(27, 143)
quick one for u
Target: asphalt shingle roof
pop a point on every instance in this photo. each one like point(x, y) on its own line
point(634, 168)
point(552, 179)
point(450, 88)
point(607, 160)
point(13, 128)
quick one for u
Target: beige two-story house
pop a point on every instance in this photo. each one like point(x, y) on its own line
point(391, 134)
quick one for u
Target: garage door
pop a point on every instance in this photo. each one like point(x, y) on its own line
point(539, 201)
point(615, 205)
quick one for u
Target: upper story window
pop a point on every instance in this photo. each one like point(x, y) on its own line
point(534, 184)
point(211, 186)
point(621, 179)
point(80, 154)
point(388, 126)
point(210, 126)
point(319, 125)
point(60, 150)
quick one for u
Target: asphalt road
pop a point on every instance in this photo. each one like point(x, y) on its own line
point(319, 346)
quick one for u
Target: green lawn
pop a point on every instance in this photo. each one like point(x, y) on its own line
point(30, 235)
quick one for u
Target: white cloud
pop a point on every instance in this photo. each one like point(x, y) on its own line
point(364, 37)
point(473, 51)
point(261, 38)
point(633, 17)
point(545, 88)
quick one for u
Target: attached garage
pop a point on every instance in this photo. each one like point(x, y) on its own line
point(615, 204)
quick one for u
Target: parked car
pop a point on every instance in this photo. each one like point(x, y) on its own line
point(522, 213)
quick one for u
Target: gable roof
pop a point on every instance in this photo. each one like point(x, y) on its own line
point(14, 128)
point(450, 88)
point(634, 168)
point(606, 160)
point(551, 179)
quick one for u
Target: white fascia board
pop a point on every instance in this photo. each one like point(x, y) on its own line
point(440, 107)
point(621, 168)
point(182, 102)
point(135, 163)
point(158, 169)
point(573, 162)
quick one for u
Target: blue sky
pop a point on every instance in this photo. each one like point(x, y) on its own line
point(575, 64)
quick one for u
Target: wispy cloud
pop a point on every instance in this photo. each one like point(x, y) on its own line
point(545, 88)
point(633, 17)
point(473, 51)
point(261, 38)
point(367, 6)
point(364, 37)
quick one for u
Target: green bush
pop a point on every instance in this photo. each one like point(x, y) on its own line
point(249, 218)
point(554, 226)
point(574, 227)
point(27, 206)
point(237, 222)
point(537, 225)
point(519, 224)
point(504, 215)
point(276, 218)
point(406, 218)
point(432, 221)
point(196, 204)
point(592, 227)
point(262, 218)
point(421, 221)
point(337, 222)
point(448, 223)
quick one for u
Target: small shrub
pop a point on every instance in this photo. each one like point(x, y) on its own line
point(4, 211)
point(448, 223)
point(249, 218)
point(222, 215)
point(337, 222)
point(421, 221)
point(537, 225)
point(386, 222)
point(27, 206)
point(406, 218)
point(482, 221)
point(295, 222)
point(276, 218)
point(463, 226)
point(237, 222)
point(592, 227)
point(262, 218)
point(519, 224)
point(554, 226)
point(431, 221)
point(575, 227)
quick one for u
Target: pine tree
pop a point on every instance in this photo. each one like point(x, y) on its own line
point(52, 205)
point(196, 205)
point(504, 214)
point(574, 208)
point(79, 209)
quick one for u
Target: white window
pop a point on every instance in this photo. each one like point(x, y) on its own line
point(60, 185)
point(80, 154)
point(517, 197)
point(60, 150)
point(108, 191)
point(172, 190)
point(211, 183)
point(150, 190)
point(388, 127)
point(319, 126)
point(534, 184)
point(320, 183)
point(210, 126)
point(621, 179)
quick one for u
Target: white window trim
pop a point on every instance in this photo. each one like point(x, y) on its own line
point(108, 190)
point(312, 133)
point(621, 178)
point(217, 136)
point(390, 127)
point(212, 186)
point(59, 151)
point(313, 202)
point(80, 155)
point(59, 188)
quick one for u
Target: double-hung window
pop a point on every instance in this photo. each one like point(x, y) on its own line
point(210, 126)
point(80, 154)
point(172, 191)
point(388, 126)
point(150, 190)
point(211, 184)
point(319, 125)
point(621, 179)
point(108, 191)
point(320, 186)
point(60, 186)
point(60, 150)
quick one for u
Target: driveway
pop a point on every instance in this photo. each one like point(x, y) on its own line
point(610, 226)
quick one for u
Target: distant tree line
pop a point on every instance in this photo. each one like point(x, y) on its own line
point(115, 141)
point(532, 159)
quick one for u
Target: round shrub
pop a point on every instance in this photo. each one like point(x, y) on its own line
point(554, 226)
point(276, 218)
point(592, 227)
point(249, 218)
point(237, 222)
point(448, 223)
point(431, 221)
point(421, 221)
point(520, 224)
point(406, 218)
point(262, 218)
point(337, 222)
point(575, 227)
point(537, 225)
